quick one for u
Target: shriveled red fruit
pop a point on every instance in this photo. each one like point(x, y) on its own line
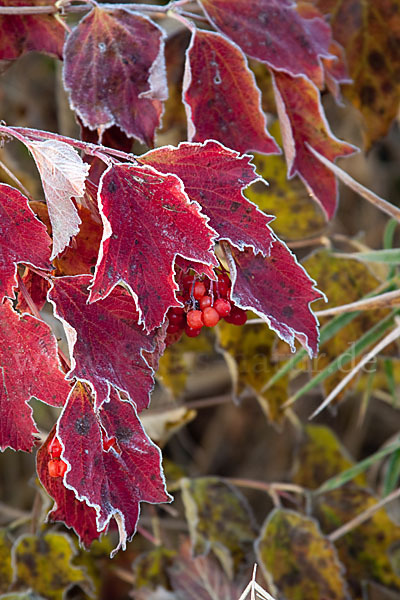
point(223, 307)
point(190, 332)
point(199, 290)
point(195, 319)
point(55, 448)
point(237, 316)
point(210, 316)
point(56, 467)
point(205, 301)
point(62, 467)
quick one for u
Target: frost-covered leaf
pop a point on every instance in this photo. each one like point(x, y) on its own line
point(304, 124)
point(273, 32)
point(28, 33)
point(298, 559)
point(67, 508)
point(115, 480)
point(115, 74)
point(215, 177)
point(43, 562)
point(279, 290)
point(29, 367)
point(63, 174)
point(23, 238)
point(148, 220)
point(221, 96)
point(37, 288)
point(105, 341)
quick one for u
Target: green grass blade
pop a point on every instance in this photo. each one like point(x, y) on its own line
point(390, 256)
point(392, 476)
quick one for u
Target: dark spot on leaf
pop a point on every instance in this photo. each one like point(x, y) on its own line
point(112, 186)
point(82, 426)
point(368, 95)
point(287, 311)
point(376, 60)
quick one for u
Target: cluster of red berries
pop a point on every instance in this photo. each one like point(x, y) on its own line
point(56, 465)
point(205, 303)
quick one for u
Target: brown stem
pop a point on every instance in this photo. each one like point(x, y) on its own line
point(53, 8)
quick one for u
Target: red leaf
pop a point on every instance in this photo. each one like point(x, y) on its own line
point(113, 482)
point(336, 71)
point(29, 367)
point(69, 510)
point(23, 238)
point(215, 177)
point(37, 287)
point(114, 71)
point(273, 32)
point(279, 290)
point(29, 33)
point(105, 342)
point(221, 96)
point(303, 123)
point(148, 220)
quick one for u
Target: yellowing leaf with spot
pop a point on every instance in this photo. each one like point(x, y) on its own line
point(6, 572)
point(298, 560)
point(150, 568)
point(247, 351)
point(43, 563)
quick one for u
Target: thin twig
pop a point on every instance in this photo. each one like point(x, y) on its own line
point(265, 487)
point(381, 301)
point(79, 8)
point(362, 517)
point(15, 179)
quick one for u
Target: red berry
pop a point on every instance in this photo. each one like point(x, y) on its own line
point(190, 332)
point(176, 318)
point(62, 467)
point(237, 316)
point(221, 289)
point(56, 467)
point(174, 328)
point(210, 316)
point(195, 319)
point(175, 310)
point(55, 448)
point(223, 307)
point(205, 301)
point(199, 290)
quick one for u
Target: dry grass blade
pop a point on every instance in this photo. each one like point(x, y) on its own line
point(255, 590)
point(382, 301)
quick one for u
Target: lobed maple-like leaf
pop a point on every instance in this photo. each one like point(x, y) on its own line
point(115, 74)
point(67, 508)
point(23, 238)
point(215, 177)
point(29, 367)
point(114, 482)
point(273, 32)
point(148, 220)
point(63, 174)
point(106, 344)
point(279, 290)
point(221, 97)
point(28, 33)
point(303, 124)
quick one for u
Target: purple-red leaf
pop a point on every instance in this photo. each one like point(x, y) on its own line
point(29, 367)
point(106, 343)
point(303, 123)
point(28, 33)
point(279, 290)
point(215, 177)
point(67, 508)
point(23, 238)
point(273, 32)
point(148, 220)
point(116, 480)
point(115, 74)
point(221, 96)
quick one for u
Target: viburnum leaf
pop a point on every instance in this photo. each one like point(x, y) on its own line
point(221, 96)
point(114, 72)
point(279, 290)
point(23, 238)
point(67, 508)
point(29, 367)
point(273, 32)
point(27, 33)
point(63, 174)
point(303, 124)
point(106, 344)
point(215, 177)
point(148, 220)
point(116, 480)
point(37, 288)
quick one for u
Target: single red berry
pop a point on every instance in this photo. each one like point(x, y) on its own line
point(176, 310)
point(174, 327)
point(223, 307)
point(176, 317)
point(237, 316)
point(62, 467)
point(55, 448)
point(205, 301)
point(190, 332)
point(210, 316)
point(199, 290)
point(52, 466)
point(195, 319)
